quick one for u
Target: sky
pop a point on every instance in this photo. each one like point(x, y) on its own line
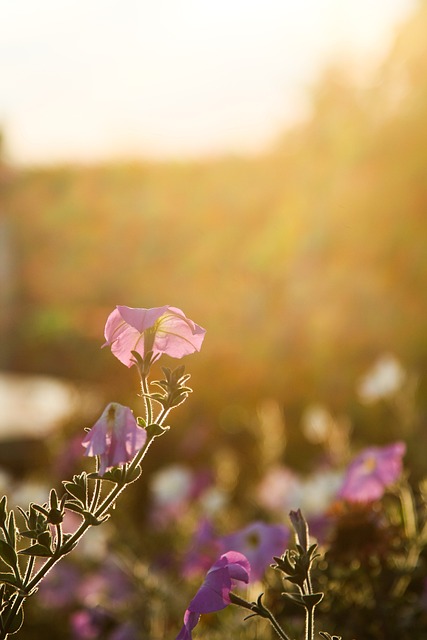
point(90, 80)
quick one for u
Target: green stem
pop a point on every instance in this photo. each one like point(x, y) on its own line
point(276, 626)
point(309, 623)
point(263, 612)
point(29, 569)
point(411, 533)
point(147, 399)
point(58, 542)
point(408, 510)
point(95, 495)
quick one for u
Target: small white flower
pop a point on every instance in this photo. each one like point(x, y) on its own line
point(382, 381)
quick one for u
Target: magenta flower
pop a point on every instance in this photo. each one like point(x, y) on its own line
point(88, 624)
point(371, 472)
point(160, 330)
point(115, 437)
point(259, 542)
point(214, 594)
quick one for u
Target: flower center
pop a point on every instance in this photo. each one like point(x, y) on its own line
point(253, 540)
point(149, 335)
point(111, 415)
point(370, 464)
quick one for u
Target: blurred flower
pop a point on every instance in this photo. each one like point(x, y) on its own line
point(30, 490)
point(205, 547)
point(279, 490)
point(171, 485)
point(59, 588)
point(125, 631)
point(160, 330)
point(109, 584)
point(316, 423)
point(318, 490)
point(371, 472)
point(115, 437)
point(213, 501)
point(214, 594)
point(383, 380)
point(259, 542)
point(88, 624)
point(170, 490)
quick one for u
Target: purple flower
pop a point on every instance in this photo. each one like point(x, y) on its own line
point(371, 472)
point(259, 542)
point(59, 587)
point(115, 437)
point(125, 631)
point(88, 624)
point(214, 594)
point(204, 549)
point(160, 330)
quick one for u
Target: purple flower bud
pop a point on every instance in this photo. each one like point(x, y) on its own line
point(115, 437)
point(300, 526)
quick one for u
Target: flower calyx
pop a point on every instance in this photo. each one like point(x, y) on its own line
point(174, 390)
point(296, 564)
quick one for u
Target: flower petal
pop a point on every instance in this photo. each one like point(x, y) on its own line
point(115, 437)
point(172, 332)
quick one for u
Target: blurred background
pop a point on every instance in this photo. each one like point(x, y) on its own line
point(260, 165)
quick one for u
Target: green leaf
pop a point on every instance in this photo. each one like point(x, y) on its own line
point(10, 578)
point(93, 520)
point(138, 358)
point(309, 601)
point(17, 622)
point(53, 499)
point(45, 539)
point(74, 506)
point(133, 475)
point(8, 554)
point(76, 490)
point(113, 475)
point(3, 509)
point(154, 430)
point(30, 533)
point(11, 526)
point(37, 550)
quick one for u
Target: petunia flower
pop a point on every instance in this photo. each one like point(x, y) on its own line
point(214, 594)
point(259, 542)
point(160, 330)
point(115, 437)
point(204, 549)
point(371, 472)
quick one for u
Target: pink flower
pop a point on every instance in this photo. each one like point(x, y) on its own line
point(259, 542)
point(160, 330)
point(214, 594)
point(115, 437)
point(371, 472)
